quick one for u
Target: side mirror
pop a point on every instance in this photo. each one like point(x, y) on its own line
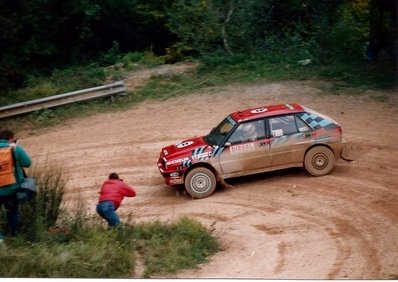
point(227, 144)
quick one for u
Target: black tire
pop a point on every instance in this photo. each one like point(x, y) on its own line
point(319, 161)
point(200, 182)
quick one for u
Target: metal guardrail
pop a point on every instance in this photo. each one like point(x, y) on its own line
point(116, 88)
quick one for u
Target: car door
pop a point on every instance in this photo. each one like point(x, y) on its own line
point(290, 138)
point(246, 151)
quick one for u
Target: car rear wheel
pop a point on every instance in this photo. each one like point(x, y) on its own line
point(319, 161)
point(200, 182)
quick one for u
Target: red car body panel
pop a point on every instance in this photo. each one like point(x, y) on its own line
point(267, 111)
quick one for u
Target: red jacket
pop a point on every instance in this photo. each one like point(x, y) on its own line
point(115, 190)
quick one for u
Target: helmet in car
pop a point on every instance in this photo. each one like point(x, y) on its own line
point(248, 128)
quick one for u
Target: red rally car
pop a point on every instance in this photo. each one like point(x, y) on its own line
point(253, 141)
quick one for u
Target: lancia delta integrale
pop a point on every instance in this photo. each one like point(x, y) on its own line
point(253, 141)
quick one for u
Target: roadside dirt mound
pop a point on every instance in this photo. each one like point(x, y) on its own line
point(281, 225)
point(138, 78)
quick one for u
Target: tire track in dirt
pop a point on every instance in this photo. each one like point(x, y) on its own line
point(310, 221)
point(349, 239)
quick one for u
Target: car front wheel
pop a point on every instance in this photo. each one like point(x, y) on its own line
point(319, 161)
point(200, 182)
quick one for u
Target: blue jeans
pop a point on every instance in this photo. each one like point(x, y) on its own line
point(13, 213)
point(106, 210)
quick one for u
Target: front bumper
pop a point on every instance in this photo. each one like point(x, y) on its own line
point(171, 177)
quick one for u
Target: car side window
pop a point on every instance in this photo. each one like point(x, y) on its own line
point(302, 126)
point(284, 125)
point(248, 132)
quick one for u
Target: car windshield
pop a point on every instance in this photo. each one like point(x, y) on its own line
point(217, 134)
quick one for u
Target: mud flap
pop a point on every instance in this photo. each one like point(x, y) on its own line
point(223, 183)
point(347, 159)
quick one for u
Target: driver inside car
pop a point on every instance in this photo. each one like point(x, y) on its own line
point(248, 132)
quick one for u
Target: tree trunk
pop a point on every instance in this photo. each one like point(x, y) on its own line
point(224, 29)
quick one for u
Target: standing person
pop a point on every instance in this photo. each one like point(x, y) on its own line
point(13, 160)
point(112, 193)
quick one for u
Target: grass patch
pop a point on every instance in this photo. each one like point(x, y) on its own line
point(88, 254)
point(95, 252)
point(167, 249)
point(55, 243)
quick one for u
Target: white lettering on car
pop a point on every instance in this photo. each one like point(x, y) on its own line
point(176, 161)
point(242, 148)
point(202, 155)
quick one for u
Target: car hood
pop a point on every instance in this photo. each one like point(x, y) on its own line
point(184, 148)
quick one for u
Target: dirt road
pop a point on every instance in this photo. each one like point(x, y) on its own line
point(283, 225)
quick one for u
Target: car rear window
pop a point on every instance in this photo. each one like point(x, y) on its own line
point(317, 120)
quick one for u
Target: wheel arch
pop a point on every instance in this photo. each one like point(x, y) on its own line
point(318, 145)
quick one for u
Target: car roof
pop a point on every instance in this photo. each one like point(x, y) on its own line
point(266, 111)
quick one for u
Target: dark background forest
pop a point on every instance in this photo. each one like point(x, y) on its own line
point(39, 36)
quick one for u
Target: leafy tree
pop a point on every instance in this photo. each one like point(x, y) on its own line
point(195, 23)
point(39, 36)
point(349, 33)
point(207, 25)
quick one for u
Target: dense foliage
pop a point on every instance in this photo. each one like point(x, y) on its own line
point(40, 36)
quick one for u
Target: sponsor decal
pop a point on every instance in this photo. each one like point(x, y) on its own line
point(184, 144)
point(201, 156)
point(176, 161)
point(277, 132)
point(176, 181)
point(242, 148)
point(165, 152)
point(174, 174)
point(258, 111)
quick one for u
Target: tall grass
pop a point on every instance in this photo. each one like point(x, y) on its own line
point(55, 242)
